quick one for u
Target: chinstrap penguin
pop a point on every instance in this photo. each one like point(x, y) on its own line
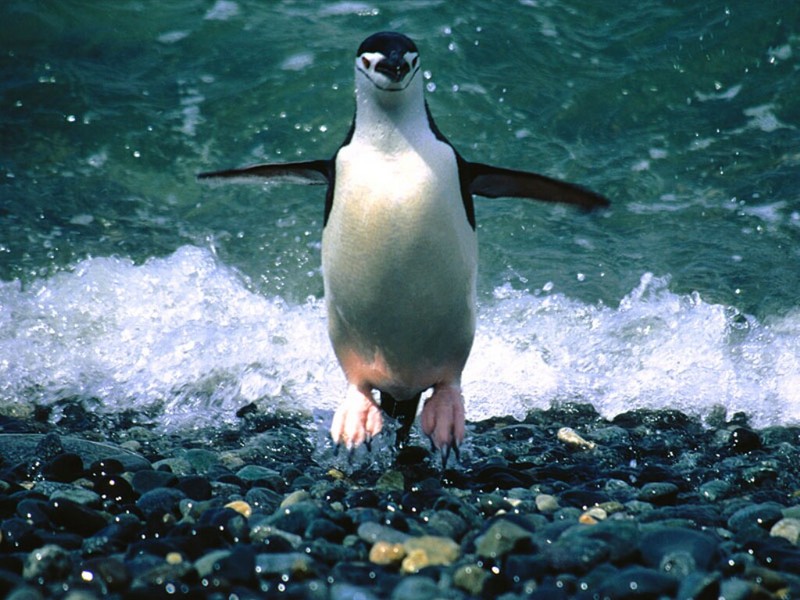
point(399, 249)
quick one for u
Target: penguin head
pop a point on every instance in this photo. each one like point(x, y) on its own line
point(388, 61)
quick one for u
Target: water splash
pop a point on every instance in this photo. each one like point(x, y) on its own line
point(186, 338)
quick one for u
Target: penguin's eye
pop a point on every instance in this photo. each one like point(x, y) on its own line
point(365, 62)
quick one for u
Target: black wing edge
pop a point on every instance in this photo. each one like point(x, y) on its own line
point(497, 182)
point(312, 172)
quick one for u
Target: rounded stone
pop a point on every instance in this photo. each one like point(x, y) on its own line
point(684, 549)
point(658, 492)
point(385, 553)
point(762, 516)
point(148, 479)
point(427, 551)
point(470, 578)
point(500, 538)
point(546, 503)
point(787, 528)
point(48, 564)
point(65, 467)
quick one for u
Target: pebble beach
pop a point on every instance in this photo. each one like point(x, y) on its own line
point(564, 504)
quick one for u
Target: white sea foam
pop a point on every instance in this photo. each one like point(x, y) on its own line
point(184, 337)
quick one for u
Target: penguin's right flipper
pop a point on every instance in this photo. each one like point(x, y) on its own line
point(312, 172)
point(496, 182)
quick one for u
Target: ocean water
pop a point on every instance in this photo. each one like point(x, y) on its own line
point(126, 284)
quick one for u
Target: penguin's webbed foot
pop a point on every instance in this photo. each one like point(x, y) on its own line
point(357, 420)
point(442, 419)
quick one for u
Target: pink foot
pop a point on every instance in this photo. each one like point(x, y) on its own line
point(443, 417)
point(357, 420)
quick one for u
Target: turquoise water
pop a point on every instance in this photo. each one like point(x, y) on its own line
point(125, 282)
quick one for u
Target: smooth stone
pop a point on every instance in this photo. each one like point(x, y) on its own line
point(658, 492)
point(470, 578)
point(255, 473)
point(66, 467)
point(109, 570)
point(295, 498)
point(295, 564)
point(176, 465)
point(639, 582)
point(762, 516)
point(148, 480)
point(48, 564)
point(114, 487)
point(296, 517)
point(547, 503)
point(519, 568)
point(348, 591)
point(195, 487)
point(448, 524)
point(160, 501)
point(262, 529)
point(714, 490)
point(385, 553)
point(241, 507)
point(500, 538)
point(372, 532)
point(35, 512)
point(427, 551)
point(699, 585)
point(390, 480)
point(263, 499)
point(324, 529)
point(576, 554)
point(743, 440)
point(416, 587)
point(201, 460)
point(685, 550)
point(76, 518)
point(206, 564)
point(787, 528)
point(82, 496)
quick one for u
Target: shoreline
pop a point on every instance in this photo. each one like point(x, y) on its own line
point(563, 504)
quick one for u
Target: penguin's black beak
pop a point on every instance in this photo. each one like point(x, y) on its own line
point(394, 67)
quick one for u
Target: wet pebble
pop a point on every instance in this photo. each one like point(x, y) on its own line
point(660, 506)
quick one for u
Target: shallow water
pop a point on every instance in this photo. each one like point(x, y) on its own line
point(124, 281)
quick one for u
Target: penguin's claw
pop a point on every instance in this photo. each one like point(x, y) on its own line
point(442, 419)
point(357, 420)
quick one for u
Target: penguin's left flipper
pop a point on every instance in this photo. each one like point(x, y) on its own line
point(498, 182)
point(312, 172)
point(442, 419)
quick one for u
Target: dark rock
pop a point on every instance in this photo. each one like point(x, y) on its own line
point(239, 566)
point(160, 501)
point(638, 582)
point(296, 517)
point(576, 554)
point(147, 480)
point(416, 587)
point(19, 535)
point(262, 499)
point(76, 518)
point(64, 467)
point(659, 493)
point(195, 487)
point(743, 440)
point(761, 516)
point(114, 487)
point(677, 550)
point(324, 529)
point(362, 499)
point(109, 572)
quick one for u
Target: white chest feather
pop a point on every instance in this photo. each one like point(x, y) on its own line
point(399, 256)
